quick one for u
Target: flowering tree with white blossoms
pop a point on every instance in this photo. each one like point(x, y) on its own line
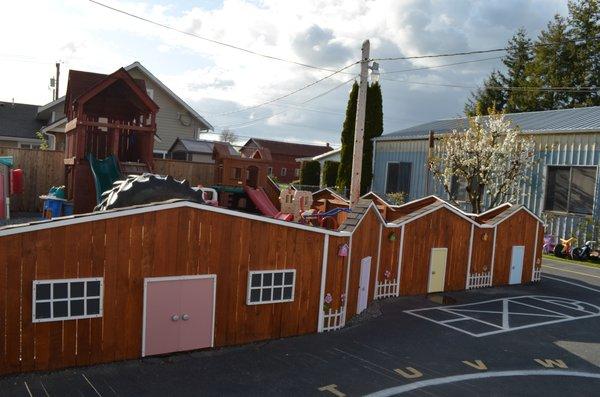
point(492, 157)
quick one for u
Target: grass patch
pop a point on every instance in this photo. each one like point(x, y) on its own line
point(571, 261)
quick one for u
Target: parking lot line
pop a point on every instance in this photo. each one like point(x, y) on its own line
point(570, 282)
point(479, 375)
point(570, 271)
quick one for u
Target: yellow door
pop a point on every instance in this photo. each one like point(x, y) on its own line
point(437, 269)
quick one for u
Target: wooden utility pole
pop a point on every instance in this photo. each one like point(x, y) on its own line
point(56, 94)
point(359, 127)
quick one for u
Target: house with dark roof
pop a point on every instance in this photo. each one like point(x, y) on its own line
point(285, 167)
point(564, 184)
point(175, 118)
point(198, 150)
point(18, 125)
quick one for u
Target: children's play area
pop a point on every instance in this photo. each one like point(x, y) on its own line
point(161, 266)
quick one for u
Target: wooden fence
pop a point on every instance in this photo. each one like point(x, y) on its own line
point(195, 173)
point(45, 168)
point(42, 168)
point(172, 241)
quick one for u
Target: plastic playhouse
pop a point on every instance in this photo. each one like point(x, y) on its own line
point(11, 183)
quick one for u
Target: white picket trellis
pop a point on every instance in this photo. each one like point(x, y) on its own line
point(537, 274)
point(386, 289)
point(479, 280)
point(333, 320)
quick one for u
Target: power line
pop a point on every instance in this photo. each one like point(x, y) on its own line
point(252, 122)
point(441, 66)
point(499, 88)
point(235, 47)
point(453, 54)
point(286, 95)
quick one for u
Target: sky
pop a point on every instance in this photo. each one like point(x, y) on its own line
point(221, 82)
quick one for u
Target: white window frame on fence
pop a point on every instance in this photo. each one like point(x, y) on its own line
point(68, 299)
point(270, 287)
point(479, 280)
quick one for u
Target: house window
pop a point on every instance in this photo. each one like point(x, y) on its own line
point(28, 146)
point(283, 171)
point(179, 156)
point(270, 171)
point(296, 172)
point(159, 154)
point(69, 299)
point(398, 178)
point(271, 286)
point(570, 189)
point(458, 189)
point(236, 173)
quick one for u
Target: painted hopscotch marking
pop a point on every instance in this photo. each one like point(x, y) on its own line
point(508, 314)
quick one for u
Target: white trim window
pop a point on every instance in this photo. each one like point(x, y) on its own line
point(271, 286)
point(67, 299)
point(284, 171)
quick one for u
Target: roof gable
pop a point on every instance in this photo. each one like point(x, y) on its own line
point(175, 97)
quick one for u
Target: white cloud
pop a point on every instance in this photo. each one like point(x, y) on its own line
point(218, 79)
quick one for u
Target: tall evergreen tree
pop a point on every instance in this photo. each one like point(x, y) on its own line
point(584, 22)
point(373, 128)
point(552, 65)
point(487, 97)
point(516, 60)
point(345, 167)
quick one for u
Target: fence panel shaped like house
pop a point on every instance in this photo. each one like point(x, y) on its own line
point(177, 275)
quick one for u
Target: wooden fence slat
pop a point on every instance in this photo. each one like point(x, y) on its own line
point(84, 263)
point(13, 312)
point(98, 252)
point(30, 244)
point(56, 271)
point(110, 333)
point(3, 301)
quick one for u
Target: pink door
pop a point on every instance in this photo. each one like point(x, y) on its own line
point(196, 330)
point(179, 314)
point(162, 317)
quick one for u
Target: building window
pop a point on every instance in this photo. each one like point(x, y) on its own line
point(271, 286)
point(270, 171)
point(159, 154)
point(236, 173)
point(296, 172)
point(69, 299)
point(28, 146)
point(570, 189)
point(398, 178)
point(179, 156)
point(458, 189)
point(283, 171)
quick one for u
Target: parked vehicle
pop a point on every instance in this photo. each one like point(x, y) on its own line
point(565, 248)
point(583, 253)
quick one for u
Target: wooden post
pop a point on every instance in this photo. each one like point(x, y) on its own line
point(359, 127)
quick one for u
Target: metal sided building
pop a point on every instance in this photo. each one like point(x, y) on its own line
point(565, 182)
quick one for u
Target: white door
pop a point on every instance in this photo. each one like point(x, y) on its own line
point(516, 264)
point(363, 285)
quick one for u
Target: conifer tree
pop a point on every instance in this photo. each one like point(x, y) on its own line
point(487, 97)
point(373, 128)
point(517, 59)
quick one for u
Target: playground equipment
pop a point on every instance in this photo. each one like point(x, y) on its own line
point(565, 247)
point(264, 205)
point(110, 132)
point(147, 188)
point(11, 183)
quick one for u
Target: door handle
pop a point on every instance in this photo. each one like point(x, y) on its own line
point(185, 317)
point(432, 272)
point(174, 317)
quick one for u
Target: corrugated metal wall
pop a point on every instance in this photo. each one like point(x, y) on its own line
point(551, 149)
